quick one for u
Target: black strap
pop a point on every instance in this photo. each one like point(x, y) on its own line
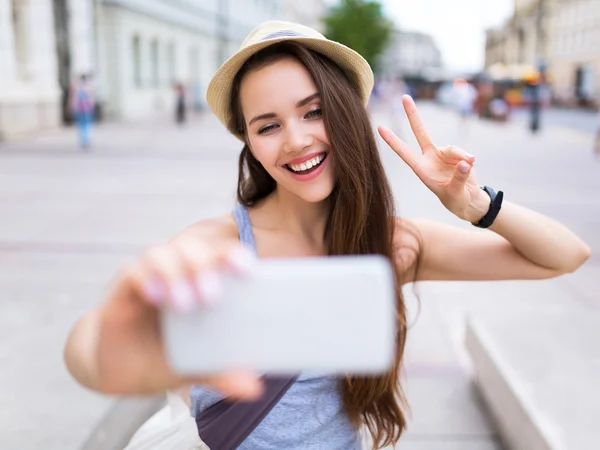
point(495, 205)
point(226, 424)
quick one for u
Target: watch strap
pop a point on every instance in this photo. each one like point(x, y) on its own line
point(495, 205)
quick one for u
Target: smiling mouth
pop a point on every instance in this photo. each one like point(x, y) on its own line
point(307, 166)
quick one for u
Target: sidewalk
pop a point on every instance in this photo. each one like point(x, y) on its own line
point(75, 217)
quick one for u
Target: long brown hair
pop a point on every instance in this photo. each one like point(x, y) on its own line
point(361, 218)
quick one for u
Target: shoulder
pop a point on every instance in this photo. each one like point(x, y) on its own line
point(222, 228)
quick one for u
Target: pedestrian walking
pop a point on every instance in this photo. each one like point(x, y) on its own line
point(464, 100)
point(597, 138)
point(180, 104)
point(536, 83)
point(83, 103)
point(311, 183)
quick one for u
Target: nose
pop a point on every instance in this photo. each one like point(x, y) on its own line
point(297, 138)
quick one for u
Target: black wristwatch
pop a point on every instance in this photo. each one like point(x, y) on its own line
point(495, 205)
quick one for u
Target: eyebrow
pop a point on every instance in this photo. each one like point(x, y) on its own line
point(300, 104)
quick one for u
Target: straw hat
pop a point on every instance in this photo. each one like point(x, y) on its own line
point(356, 67)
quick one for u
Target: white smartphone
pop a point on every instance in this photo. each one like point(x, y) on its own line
point(334, 314)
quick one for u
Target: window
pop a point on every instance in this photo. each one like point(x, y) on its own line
point(172, 62)
point(136, 53)
point(20, 36)
point(154, 56)
point(195, 65)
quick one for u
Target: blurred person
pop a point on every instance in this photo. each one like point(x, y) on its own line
point(597, 139)
point(311, 183)
point(180, 103)
point(83, 104)
point(499, 109)
point(536, 85)
point(464, 99)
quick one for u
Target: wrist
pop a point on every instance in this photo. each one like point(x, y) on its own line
point(479, 207)
point(495, 203)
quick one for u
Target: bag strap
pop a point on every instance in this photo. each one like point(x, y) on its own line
point(226, 424)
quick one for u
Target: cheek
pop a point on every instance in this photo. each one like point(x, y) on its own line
point(320, 132)
point(264, 151)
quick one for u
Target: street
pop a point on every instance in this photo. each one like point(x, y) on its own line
point(71, 219)
point(576, 119)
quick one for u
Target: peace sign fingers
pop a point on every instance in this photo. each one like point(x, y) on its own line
point(399, 146)
point(416, 124)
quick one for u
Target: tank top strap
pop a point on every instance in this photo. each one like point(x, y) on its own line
point(240, 214)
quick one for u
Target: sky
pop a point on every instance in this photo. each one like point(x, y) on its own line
point(457, 26)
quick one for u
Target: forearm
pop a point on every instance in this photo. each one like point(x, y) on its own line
point(540, 239)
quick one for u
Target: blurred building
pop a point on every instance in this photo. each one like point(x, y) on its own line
point(29, 90)
point(576, 52)
point(306, 12)
point(135, 50)
point(411, 55)
point(526, 38)
point(561, 35)
point(145, 48)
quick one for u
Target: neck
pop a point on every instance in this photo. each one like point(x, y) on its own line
point(297, 216)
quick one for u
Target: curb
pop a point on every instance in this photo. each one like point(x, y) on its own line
point(121, 421)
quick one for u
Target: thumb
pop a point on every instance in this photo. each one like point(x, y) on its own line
point(460, 176)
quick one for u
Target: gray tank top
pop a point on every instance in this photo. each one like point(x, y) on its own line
point(309, 416)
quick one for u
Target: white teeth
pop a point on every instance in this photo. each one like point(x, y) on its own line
point(307, 164)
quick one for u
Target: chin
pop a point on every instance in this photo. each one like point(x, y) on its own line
point(316, 195)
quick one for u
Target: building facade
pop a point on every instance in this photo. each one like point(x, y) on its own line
point(411, 55)
point(564, 35)
point(527, 38)
point(135, 50)
point(306, 12)
point(29, 89)
point(146, 46)
point(576, 52)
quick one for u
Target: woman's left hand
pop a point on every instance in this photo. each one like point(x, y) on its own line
point(447, 171)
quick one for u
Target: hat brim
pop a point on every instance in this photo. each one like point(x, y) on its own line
point(218, 94)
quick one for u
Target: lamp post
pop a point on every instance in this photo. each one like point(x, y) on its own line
point(537, 84)
point(63, 52)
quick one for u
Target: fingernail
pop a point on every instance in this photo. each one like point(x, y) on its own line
point(464, 168)
point(470, 156)
point(155, 291)
point(210, 287)
point(183, 296)
point(241, 259)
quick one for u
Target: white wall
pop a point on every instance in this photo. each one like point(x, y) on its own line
point(28, 99)
point(126, 99)
point(188, 24)
point(7, 56)
point(81, 34)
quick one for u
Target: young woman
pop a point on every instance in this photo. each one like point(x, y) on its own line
point(310, 183)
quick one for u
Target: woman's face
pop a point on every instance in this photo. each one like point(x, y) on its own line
point(286, 132)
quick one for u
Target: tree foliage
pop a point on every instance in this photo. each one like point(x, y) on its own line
point(360, 25)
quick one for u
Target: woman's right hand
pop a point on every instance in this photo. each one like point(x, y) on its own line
point(183, 275)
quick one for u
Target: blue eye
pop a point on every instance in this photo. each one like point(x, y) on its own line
point(314, 113)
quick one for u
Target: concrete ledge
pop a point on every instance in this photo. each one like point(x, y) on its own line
point(538, 372)
point(121, 421)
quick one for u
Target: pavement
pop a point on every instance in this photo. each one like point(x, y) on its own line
point(73, 218)
point(584, 120)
